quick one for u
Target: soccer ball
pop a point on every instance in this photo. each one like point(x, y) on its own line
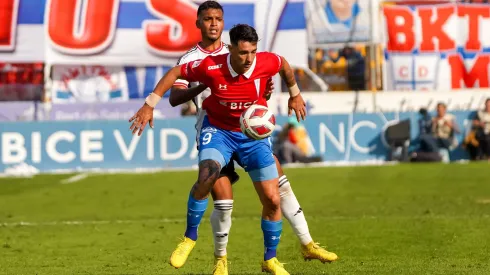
point(257, 122)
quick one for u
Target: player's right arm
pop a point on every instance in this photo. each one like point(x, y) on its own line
point(190, 71)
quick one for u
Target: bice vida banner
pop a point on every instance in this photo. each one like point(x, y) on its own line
point(136, 32)
point(437, 47)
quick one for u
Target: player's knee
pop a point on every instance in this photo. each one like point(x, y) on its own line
point(208, 174)
point(273, 202)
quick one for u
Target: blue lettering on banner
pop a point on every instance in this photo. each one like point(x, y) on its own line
point(110, 145)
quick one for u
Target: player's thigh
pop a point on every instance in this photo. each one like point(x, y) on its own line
point(215, 144)
point(222, 189)
point(279, 167)
point(257, 159)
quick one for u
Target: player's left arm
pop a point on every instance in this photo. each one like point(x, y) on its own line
point(295, 101)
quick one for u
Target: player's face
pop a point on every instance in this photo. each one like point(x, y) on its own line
point(210, 22)
point(243, 54)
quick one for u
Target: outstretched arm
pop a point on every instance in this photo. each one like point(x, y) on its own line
point(295, 101)
point(166, 82)
point(145, 113)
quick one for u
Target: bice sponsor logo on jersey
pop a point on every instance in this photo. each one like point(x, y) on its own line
point(238, 105)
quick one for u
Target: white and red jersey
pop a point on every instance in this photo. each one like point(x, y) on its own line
point(198, 53)
point(231, 93)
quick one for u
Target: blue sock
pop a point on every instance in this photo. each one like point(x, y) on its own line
point(272, 235)
point(195, 211)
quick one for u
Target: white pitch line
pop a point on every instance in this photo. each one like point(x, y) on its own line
point(56, 223)
point(75, 178)
point(325, 218)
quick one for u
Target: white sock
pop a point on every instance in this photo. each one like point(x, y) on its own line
point(292, 211)
point(221, 224)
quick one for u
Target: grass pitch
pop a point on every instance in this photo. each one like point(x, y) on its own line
point(405, 219)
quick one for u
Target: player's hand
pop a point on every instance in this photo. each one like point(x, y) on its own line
point(297, 104)
point(269, 88)
point(141, 118)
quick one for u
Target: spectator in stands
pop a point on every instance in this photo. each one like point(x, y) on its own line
point(292, 144)
point(443, 128)
point(356, 67)
point(482, 129)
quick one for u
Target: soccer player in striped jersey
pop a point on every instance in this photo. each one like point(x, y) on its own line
point(210, 22)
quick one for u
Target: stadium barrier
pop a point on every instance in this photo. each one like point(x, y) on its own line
point(51, 146)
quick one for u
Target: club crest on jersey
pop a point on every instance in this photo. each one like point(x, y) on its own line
point(222, 86)
point(196, 63)
point(209, 130)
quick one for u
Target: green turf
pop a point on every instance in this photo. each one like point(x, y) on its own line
point(405, 219)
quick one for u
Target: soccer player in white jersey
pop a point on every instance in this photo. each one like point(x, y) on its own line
point(210, 22)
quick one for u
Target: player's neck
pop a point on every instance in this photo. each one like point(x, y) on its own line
point(209, 45)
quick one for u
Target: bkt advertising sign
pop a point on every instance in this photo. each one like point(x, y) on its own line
point(437, 47)
point(110, 145)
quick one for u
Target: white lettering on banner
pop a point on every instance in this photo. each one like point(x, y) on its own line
point(325, 132)
point(125, 151)
point(36, 147)
point(150, 144)
point(352, 136)
point(53, 141)
point(184, 144)
point(13, 149)
point(89, 142)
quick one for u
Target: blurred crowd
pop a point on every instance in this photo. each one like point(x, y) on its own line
point(438, 135)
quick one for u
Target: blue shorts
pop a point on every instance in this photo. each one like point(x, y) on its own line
point(255, 156)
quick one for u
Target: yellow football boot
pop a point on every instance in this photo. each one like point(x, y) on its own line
point(220, 265)
point(180, 254)
point(273, 266)
point(313, 251)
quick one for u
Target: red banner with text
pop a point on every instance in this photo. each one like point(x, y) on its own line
point(436, 47)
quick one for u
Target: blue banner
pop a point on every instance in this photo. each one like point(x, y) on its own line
point(73, 145)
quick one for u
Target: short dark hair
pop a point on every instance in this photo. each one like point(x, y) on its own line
point(209, 5)
point(441, 104)
point(243, 32)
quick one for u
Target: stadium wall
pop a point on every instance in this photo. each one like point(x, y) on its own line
point(51, 146)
